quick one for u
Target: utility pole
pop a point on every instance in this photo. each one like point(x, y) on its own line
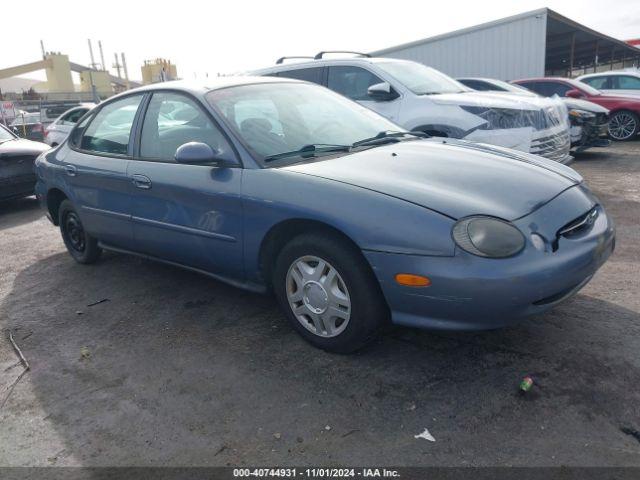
point(124, 67)
point(117, 65)
point(104, 65)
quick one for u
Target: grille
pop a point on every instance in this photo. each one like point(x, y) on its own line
point(555, 147)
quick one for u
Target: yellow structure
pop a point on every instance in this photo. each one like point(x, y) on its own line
point(99, 78)
point(158, 70)
point(59, 73)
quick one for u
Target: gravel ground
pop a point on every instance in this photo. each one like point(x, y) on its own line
point(177, 369)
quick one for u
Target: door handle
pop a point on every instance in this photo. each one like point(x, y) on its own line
point(71, 170)
point(141, 181)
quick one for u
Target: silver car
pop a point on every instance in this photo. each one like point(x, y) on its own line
point(59, 130)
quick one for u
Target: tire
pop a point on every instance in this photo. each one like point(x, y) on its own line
point(82, 246)
point(353, 292)
point(623, 126)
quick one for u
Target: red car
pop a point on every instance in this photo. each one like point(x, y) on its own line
point(624, 120)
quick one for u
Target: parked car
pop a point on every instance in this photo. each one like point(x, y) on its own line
point(17, 155)
point(626, 83)
point(272, 183)
point(624, 112)
point(59, 129)
point(28, 125)
point(589, 121)
point(421, 98)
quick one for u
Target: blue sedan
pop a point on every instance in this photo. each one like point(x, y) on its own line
point(276, 184)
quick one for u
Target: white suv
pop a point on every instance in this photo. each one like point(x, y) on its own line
point(421, 98)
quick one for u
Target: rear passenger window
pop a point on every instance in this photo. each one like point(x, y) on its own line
point(352, 82)
point(110, 129)
point(307, 74)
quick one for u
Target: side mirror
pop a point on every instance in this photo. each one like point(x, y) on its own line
point(574, 93)
point(382, 92)
point(197, 153)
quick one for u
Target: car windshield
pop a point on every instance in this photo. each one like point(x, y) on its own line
point(510, 87)
point(583, 86)
point(27, 119)
point(5, 135)
point(422, 80)
point(279, 118)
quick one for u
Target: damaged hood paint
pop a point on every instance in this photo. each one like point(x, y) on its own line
point(453, 177)
point(492, 100)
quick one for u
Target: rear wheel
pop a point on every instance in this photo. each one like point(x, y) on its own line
point(82, 246)
point(623, 125)
point(329, 293)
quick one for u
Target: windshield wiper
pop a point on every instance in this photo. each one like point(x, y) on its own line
point(309, 151)
point(387, 137)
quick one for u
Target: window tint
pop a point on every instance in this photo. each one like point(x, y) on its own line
point(547, 89)
point(72, 118)
point(479, 85)
point(172, 120)
point(110, 129)
point(598, 82)
point(76, 133)
point(307, 74)
point(352, 82)
point(628, 82)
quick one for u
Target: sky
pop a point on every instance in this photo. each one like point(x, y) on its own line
point(210, 37)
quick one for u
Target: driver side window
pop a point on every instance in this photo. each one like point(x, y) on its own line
point(352, 82)
point(172, 120)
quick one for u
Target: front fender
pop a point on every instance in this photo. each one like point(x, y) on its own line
point(374, 221)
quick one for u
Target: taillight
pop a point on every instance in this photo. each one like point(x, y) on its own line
point(37, 128)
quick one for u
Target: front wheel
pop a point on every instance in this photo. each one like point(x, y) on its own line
point(623, 125)
point(329, 293)
point(82, 246)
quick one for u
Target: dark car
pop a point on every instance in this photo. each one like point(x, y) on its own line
point(276, 184)
point(589, 121)
point(28, 125)
point(624, 112)
point(17, 175)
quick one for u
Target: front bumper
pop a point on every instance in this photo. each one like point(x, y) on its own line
point(474, 293)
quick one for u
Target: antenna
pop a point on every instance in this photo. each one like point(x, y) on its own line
point(93, 61)
point(104, 65)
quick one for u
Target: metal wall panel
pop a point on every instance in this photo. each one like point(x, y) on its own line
point(507, 51)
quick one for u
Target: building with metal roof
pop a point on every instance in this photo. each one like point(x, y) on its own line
point(532, 44)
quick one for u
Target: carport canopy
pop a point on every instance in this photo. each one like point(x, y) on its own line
point(573, 49)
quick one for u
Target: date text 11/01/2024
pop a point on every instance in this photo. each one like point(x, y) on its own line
point(316, 472)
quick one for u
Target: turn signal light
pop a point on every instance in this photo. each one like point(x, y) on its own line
point(411, 280)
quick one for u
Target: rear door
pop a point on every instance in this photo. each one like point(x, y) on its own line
point(353, 82)
point(187, 214)
point(95, 167)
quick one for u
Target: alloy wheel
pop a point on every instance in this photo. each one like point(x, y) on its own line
point(318, 296)
point(622, 126)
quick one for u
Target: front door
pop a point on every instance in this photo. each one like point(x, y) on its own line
point(188, 214)
point(354, 82)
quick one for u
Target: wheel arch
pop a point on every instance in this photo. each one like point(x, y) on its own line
point(281, 233)
point(55, 197)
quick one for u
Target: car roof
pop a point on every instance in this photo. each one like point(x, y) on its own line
point(200, 88)
point(324, 62)
point(609, 74)
point(543, 79)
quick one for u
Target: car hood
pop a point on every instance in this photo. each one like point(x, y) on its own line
point(491, 100)
point(584, 105)
point(22, 146)
point(453, 177)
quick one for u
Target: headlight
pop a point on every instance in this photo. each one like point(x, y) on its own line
point(488, 237)
point(577, 113)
